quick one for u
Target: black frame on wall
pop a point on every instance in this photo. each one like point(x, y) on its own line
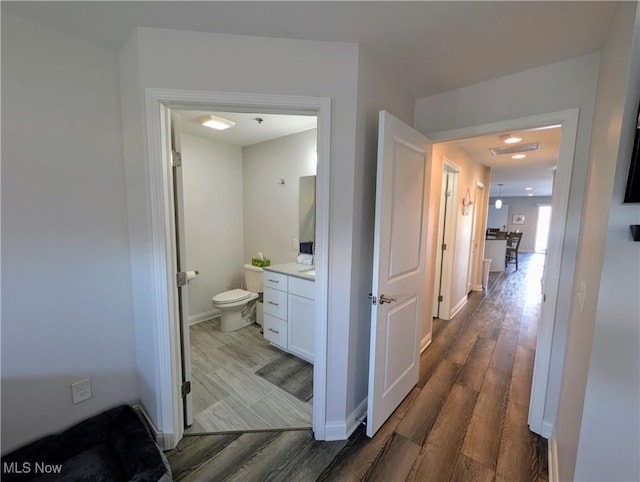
point(632, 193)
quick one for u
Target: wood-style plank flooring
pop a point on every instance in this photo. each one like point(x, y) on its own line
point(228, 394)
point(466, 420)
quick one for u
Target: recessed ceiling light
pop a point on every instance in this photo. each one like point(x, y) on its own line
point(510, 139)
point(215, 122)
point(529, 194)
point(518, 156)
point(528, 189)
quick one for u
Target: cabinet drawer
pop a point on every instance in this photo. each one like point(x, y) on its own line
point(275, 303)
point(275, 330)
point(302, 287)
point(275, 280)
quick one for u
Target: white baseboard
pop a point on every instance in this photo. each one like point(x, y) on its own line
point(204, 316)
point(458, 307)
point(547, 429)
point(159, 436)
point(552, 454)
point(342, 430)
point(425, 342)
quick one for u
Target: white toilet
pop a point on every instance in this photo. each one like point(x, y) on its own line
point(237, 306)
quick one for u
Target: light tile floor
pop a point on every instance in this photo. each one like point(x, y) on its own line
point(227, 394)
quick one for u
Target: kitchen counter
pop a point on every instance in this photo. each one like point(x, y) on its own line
point(496, 250)
point(304, 271)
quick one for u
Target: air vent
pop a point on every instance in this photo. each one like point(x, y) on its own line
point(498, 151)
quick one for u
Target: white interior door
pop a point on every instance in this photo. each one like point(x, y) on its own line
point(181, 261)
point(476, 234)
point(404, 160)
point(446, 241)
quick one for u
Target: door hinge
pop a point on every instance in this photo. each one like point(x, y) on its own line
point(176, 159)
point(444, 246)
point(372, 298)
point(181, 279)
point(185, 389)
point(544, 297)
point(440, 298)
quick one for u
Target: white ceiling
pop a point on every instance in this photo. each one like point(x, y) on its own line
point(430, 47)
point(247, 130)
point(535, 171)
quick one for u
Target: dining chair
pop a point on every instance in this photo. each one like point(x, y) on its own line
point(513, 244)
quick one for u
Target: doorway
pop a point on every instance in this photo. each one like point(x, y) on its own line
point(242, 182)
point(446, 241)
point(542, 229)
point(544, 392)
point(160, 102)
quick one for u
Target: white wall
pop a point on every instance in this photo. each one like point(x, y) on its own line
point(66, 285)
point(528, 206)
point(376, 91)
point(217, 62)
point(271, 211)
point(601, 438)
point(565, 85)
point(497, 218)
point(213, 211)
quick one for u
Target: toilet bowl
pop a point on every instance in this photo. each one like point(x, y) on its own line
point(238, 305)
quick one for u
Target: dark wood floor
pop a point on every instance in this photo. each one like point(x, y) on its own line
point(466, 420)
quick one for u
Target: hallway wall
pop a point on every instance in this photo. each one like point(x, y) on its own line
point(471, 172)
point(598, 424)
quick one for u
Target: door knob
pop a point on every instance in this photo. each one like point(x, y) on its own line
point(387, 299)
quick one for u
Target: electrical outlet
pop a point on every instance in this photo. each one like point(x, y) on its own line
point(81, 390)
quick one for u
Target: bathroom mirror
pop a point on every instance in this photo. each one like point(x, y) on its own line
point(307, 222)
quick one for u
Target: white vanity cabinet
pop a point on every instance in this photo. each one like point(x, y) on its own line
point(289, 314)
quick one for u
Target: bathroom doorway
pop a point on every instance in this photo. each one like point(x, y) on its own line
point(246, 209)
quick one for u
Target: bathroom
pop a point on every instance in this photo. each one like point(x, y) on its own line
point(242, 196)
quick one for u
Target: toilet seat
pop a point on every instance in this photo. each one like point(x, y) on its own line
point(231, 296)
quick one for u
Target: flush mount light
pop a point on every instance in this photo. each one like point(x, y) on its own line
point(215, 122)
point(510, 139)
point(528, 189)
point(518, 156)
point(530, 195)
point(502, 150)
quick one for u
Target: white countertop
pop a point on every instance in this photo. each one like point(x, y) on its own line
point(304, 271)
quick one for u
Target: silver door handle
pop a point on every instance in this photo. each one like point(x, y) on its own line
point(386, 299)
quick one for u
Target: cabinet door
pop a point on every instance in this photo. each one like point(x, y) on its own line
point(301, 327)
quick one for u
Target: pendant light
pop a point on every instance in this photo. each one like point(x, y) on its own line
point(499, 201)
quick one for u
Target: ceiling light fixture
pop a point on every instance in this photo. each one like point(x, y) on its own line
point(499, 201)
point(215, 122)
point(510, 139)
point(528, 189)
point(518, 156)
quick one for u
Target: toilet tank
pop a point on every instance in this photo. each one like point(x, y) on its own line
point(253, 278)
